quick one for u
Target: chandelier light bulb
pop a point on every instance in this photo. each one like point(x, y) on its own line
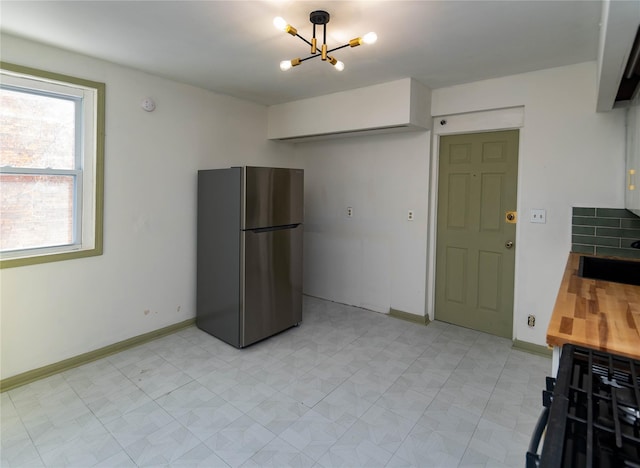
point(280, 23)
point(285, 65)
point(370, 38)
point(338, 65)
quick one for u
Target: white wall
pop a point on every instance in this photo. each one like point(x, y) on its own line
point(377, 258)
point(145, 279)
point(569, 156)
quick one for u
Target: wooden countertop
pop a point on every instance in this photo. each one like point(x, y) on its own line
point(596, 314)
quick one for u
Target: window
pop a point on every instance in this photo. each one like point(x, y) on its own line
point(51, 166)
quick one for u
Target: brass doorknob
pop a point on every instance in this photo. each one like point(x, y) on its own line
point(508, 244)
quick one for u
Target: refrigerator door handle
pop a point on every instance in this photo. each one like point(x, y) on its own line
point(274, 228)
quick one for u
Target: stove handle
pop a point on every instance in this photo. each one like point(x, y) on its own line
point(533, 459)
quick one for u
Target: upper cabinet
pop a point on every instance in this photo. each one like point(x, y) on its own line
point(617, 65)
point(632, 175)
point(618, 81)
point(397, 106)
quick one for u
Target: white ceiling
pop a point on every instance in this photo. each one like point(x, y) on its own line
point(231, 47)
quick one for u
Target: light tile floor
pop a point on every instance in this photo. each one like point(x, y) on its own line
point(349, 388)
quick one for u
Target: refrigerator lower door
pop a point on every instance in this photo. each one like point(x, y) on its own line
point(272, 282)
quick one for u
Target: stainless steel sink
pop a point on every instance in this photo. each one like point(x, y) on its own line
point(609, 269)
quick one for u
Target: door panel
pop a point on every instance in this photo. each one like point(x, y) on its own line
point(456, 285)
point(489, 291)
point(474, 268)
point(491, 191)
point(458, 207)
point(460, 153)
point(494, 151)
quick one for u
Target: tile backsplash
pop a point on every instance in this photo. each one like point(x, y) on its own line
point(605, 231)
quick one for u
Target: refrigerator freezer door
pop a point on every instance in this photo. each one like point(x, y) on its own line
point(273, 282)
point(273, 197)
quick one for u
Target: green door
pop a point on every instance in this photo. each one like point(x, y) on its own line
point(475, 241)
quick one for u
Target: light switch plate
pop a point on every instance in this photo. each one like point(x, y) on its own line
point(539, 216)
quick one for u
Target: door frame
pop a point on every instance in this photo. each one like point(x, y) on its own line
point(511, 118)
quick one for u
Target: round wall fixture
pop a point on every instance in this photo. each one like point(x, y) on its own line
point(148, 104)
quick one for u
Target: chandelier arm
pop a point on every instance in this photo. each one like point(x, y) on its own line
point(298, 35)
point(337, 48)
point(310, 57)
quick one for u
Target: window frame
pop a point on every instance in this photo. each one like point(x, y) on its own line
point(90, 205)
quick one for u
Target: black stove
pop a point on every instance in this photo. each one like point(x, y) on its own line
point(591, 415)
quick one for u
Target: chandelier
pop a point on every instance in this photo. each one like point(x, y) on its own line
point(319, 18)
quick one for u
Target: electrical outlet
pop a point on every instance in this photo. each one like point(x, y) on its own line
point(539, 216)
point(349, 212)
point(410, 215)
point(531, 321)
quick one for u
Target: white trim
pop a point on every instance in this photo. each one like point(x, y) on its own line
point(87, 203)
point(472, 122)
point(57, 88)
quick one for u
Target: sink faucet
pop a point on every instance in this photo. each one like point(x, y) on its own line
point(636, 244)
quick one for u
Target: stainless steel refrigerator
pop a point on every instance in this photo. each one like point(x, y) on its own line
point(249, 265)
